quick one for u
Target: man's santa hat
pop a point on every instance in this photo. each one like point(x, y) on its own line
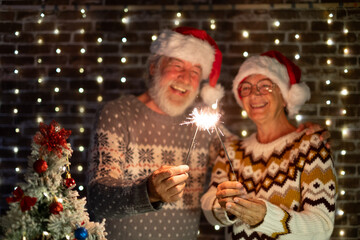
point(195, 46)
point(281, 71)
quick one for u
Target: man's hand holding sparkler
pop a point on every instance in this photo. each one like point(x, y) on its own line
point(167, 184)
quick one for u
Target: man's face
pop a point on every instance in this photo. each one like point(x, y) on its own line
point(175, 85)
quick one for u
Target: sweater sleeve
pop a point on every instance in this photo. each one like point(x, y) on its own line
point(315, 218)
point(110, 193)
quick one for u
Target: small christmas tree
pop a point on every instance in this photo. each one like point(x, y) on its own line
point(46, 206)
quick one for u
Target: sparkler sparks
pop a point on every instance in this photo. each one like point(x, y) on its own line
point(206, 119)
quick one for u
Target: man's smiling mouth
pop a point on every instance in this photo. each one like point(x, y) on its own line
point(179, 89)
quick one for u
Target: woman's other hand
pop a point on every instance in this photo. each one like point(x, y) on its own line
point(250, 211)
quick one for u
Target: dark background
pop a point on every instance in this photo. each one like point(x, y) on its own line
point(28, 52)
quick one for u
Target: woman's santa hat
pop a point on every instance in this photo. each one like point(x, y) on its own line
point(281, 71)
point(195, 46)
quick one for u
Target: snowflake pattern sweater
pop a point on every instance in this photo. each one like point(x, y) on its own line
point(131, 141)
point(294, 175)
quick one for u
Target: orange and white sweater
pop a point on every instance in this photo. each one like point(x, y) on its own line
point(294, 175)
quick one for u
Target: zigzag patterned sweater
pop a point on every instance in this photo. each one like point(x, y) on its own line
point(294, 175)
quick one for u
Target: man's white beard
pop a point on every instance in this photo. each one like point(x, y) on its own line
point(166, 100)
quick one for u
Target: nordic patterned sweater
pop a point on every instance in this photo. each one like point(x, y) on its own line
point(294, 175)
point(131, 141)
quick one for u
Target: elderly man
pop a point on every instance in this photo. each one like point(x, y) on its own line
point(136, 168)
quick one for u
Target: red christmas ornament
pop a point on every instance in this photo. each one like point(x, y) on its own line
point(52, 138)
point(18, 195)
point(26, 202)
point(69, 182)
point(40, 166)
point(56, 207)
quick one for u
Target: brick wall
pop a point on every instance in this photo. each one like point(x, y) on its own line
point(43, 71)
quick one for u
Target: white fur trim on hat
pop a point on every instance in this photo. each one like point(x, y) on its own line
point(294, 96)
point(185, 47)
point(211, 95)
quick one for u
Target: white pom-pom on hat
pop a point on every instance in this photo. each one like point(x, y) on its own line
point(281, 71)
point(195, 46)
point(298, 94)
point(211, 95)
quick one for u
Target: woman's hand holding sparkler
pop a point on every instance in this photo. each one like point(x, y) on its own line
point(232, 197)
point(226, 192)
point(167, 183)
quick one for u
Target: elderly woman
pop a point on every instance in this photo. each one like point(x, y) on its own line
point(281, 183)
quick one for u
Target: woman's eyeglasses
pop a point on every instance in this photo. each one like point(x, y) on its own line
point(263, 87)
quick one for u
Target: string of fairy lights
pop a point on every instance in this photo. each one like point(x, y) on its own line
point(178, 17)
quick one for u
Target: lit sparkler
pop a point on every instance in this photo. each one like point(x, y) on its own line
point(206, 119)
point(227, 155)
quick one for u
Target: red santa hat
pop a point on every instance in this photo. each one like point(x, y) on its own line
point(281, 71)
point(195, 46)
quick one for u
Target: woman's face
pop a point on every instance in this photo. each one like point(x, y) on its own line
point(261, 98)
